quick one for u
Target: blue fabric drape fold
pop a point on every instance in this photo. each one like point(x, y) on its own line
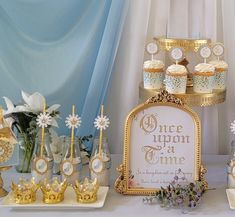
point(62, 49)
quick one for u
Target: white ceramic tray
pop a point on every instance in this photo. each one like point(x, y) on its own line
point(231, 197)
point(69, 202)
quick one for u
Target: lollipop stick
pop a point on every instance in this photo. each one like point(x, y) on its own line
point(43, 132)
point(72, 134)
point(204, 60)
point(152, 57)
point(101, 132)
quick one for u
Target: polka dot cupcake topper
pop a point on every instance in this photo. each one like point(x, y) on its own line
point(177, 54)
point(205, 52)
point(218, 49)
point(152, 48)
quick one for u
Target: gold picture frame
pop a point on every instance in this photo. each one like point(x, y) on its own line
point(167, 100)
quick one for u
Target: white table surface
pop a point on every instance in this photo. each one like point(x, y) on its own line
point(214, 202)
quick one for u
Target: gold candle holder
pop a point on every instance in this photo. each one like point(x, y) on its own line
point(53, 191)
point(86, 191)
point(24, 192)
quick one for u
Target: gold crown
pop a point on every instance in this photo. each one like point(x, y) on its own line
point(53, 191)
point(86, 191)
point(25, 191)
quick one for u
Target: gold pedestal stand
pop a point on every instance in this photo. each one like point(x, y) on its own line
point(3, 192)
point(187, 44)
point(190, 97)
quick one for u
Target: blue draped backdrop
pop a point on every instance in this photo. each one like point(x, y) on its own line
point(64, 49)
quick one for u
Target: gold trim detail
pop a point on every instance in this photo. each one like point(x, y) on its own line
point(206, 74)
point(24, 192)
point(162, 99)
point(187, 44)
point(190, 98)
point(6, 149)
point(101, 161)
point(120, 184)
point(153, 70)
point(203, 171)
point(35, 163)
point(53, 190)
point(86, 191)
point(62, 170)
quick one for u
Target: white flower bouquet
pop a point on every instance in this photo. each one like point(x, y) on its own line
point(22, 119)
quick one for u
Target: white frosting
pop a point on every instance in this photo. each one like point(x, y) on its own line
point(204, 67)
point(153, 64)
point(219, 64)
point(176, 69)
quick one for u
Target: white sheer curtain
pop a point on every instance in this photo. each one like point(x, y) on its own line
point(182, 19)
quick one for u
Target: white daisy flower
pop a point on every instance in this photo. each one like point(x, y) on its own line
point(232, 127)
point(43, 120)
point(101, 122)
point(73, 121)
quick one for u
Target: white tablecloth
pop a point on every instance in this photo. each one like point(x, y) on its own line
point(214, 203)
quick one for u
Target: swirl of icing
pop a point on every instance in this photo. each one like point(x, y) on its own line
point(176, 69)
point(204, 67)
point(219, 64)
point(153, 64)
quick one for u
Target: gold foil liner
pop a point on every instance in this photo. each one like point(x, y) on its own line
point(86, 191)
point(221, 69)
point(24, 192)
point(176, 74)
point(204, 73)
point(158, 70)
point(53, 191)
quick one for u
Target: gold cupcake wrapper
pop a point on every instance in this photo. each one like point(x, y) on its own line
point(51, 195)
point(154, 70)
point(221, 69)
point(208, 74)
point(23, 195)
point(53, 191)
point(176, 74)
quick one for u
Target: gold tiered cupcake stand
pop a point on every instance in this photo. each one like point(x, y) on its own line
point(190, 97)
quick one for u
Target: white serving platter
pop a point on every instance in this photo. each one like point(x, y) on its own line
point(231, 197)
point(69, 202)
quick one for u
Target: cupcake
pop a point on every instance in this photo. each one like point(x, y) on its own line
point(203, 78)
point(176, 79)
point(153, 72)
point(221, 68)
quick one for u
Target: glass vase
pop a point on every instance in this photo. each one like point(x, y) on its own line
point(26, 150)
point(42, 163)
point(72, 163)
point(104, 156)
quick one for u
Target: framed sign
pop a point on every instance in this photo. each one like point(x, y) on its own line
point(162, 141)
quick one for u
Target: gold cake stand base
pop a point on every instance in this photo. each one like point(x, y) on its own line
point(187, 44)
point(3, 192)
point(190, 97)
